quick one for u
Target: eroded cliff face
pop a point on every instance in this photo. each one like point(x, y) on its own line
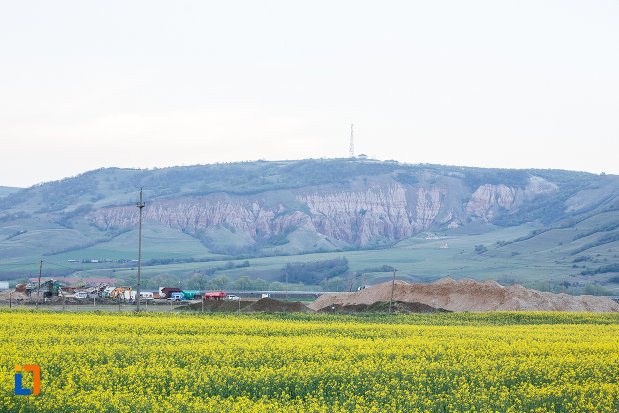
point(384, 212)
point(489, 200)
point(376, 212)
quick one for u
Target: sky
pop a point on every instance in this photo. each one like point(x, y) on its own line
point(142, 84)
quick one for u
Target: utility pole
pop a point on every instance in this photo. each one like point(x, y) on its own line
point(286, 285)
point(140, 206)
point(39, 287)
point(392, 287)
point(562, 284)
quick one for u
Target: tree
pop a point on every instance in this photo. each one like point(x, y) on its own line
point(218, 283)
point(276, 286)
point(164, 279)
point(259, 285)
point(350, 281)
point(334, 284)
point(242, 283)
point(314, 272)
point(196, 281)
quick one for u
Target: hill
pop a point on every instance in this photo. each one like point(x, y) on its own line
point(496, 223)
point(8, 190)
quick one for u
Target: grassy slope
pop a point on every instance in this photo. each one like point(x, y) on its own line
point(8, 190)
point(547, 256)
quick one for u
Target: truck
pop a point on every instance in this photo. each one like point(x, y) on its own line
point(176, 296)
point(191, 294)
point(215, 295)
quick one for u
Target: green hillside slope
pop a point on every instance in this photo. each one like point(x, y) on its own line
point(547, 228)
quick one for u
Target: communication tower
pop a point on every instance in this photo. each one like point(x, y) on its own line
point(352, 145)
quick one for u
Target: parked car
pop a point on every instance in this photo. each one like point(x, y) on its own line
point(232, 297)
point(176, 297)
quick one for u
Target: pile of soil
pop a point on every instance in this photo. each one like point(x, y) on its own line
point(271, 305)
point(267, 305)
point(7, 295)
point(383, 307)
point(221, 306)
point(469, 295)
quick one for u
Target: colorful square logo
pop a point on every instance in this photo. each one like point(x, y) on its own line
point(36, 380)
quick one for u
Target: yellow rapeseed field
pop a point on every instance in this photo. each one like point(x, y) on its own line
point(501, 362)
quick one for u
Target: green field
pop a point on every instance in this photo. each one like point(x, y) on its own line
point(544, 257)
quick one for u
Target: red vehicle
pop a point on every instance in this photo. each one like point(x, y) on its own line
point(219, 295)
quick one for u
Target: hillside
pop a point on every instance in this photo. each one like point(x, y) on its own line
point(246, 210)
point(8, 190)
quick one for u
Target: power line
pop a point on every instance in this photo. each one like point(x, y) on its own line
point(77, 270)
point(18, 266)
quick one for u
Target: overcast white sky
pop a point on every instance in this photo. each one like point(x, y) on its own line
point(512, 84)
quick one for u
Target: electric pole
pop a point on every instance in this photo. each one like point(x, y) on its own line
point(392, 287)
point(286, 285)
point(562, 284)
point(39, 287)
point(140, 206)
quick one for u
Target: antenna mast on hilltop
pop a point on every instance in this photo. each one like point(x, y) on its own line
point(352, 145)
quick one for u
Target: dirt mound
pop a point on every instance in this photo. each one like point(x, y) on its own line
point(271, 305)
point(16, 297)
point(382, 307)
point(266, 305)
point(221, 306)
point(469, 295)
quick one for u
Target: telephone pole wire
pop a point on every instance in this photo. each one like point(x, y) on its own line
point(140, 206)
